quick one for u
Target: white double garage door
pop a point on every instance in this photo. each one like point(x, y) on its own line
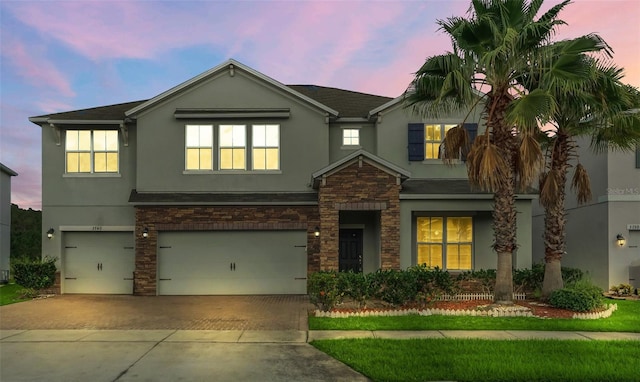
point(190, 263)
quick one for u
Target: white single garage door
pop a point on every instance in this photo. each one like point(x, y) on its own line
point(232, 262)
point(98, 262)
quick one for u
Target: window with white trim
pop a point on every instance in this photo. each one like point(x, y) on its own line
point(266, 147)
point(233, 145)
point(445, 242)
point(199, 147)
point(350, 137)
point(91, 151)
point(433, 136)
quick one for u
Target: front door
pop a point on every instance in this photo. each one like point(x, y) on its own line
point(350, 250)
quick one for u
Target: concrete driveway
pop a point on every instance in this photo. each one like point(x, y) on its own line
point(277, 312)
point(189, 338)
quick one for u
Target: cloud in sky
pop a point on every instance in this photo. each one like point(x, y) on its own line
point(65, 55)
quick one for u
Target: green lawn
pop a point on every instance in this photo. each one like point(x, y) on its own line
point(10, 293)
point(625, 319)
point(487, 360)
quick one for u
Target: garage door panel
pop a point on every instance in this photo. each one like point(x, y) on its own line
point(235, 262)
point(98, 262)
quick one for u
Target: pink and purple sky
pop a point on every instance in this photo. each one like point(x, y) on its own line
point(66, 55)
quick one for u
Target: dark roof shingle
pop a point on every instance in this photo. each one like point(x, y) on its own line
point(347, 103)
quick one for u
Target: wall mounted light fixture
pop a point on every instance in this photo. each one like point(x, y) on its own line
point(621, 240)
point(316, 233)
point(50, 233)
point(145, 232)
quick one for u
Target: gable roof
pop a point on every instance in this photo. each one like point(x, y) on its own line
point(337, 102)
point(231, 65)
point(374, 160)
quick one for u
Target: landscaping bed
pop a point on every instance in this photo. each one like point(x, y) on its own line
point(534, 307)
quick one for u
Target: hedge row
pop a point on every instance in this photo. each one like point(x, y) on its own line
point(416, 285)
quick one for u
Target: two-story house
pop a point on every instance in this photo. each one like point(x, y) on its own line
point(602, 236)
point(234, 183)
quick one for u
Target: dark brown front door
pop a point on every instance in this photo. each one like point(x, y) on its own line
point(350, 250)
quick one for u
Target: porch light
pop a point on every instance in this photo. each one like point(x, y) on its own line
point(621, 240)
point(316, 233)
point(145, 232)
point(50, 233)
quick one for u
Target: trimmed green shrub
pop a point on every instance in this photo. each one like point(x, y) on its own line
point(394, 286)
point(35, 274)
point(356, 286)
point(486, 278)
point(323, 291)
point(580, 296)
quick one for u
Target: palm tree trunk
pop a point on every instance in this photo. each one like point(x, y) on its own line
point(554, 219)
point(504, 211)
point(504, 221)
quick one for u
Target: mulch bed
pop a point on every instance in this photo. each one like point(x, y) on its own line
point(538, 308)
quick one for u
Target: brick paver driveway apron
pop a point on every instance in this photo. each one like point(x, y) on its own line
point(278, 312)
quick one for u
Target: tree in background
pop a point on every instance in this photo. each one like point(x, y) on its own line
point(500, 42)
point(26, 234)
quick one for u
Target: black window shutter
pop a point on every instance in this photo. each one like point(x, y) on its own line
point(416, 142)
point(472, 130)
point(638, 156)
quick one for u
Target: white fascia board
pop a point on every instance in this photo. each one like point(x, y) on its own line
point(224, 66)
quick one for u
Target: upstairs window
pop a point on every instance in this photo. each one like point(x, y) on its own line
point(445, 242)
point(199, 147)
point(91, 151)
point(266, 147)
point(433, 136)
point(350, 137)
point(425, 140)
point(233, 147)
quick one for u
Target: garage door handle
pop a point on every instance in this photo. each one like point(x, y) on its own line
point(70, 278)
point(165, 279)
point(299, 246)
point(299, 278)
point(127, 278)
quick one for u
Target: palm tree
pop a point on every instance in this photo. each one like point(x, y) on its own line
point(493, 49)
point(600, 108)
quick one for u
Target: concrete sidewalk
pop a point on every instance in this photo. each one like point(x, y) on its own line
point(204, 355)
point(289, 336)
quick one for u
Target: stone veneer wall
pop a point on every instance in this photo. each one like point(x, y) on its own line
point(360, 187)
point(209, 218)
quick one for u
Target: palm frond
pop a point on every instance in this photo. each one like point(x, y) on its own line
point(581, 184)
point(486, 166)
point(455, 141)
point(530, 161)
point(549, 187)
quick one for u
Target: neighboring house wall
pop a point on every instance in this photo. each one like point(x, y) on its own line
point(592, 228)
point(5, 221)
